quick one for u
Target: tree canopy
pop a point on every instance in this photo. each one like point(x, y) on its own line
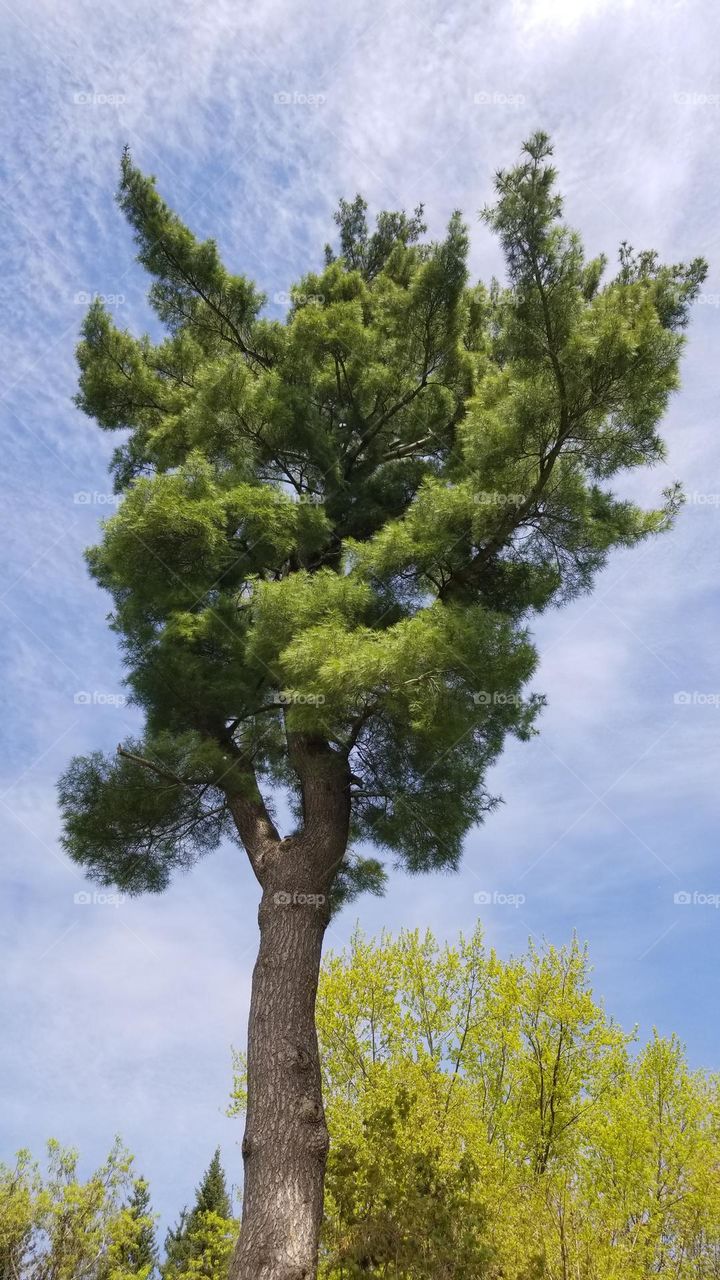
point(335, 528)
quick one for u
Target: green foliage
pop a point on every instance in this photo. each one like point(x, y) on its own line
point(136, 1251)
point(19, 1188)
point(203, 1241)
point(488, 1119)
point(337, 527)
point(52, 1224)
point(131, 826)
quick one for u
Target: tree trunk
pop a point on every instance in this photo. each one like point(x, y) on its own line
point(286, 1138)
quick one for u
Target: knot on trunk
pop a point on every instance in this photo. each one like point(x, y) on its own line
point(318, 1138)
point(296, 1056)
point(311, 1111)
point(319, 1142)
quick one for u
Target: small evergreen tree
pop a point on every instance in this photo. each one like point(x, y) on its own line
point(202, 1242)
point(175, 1246)
point(139, 1253)
point(213, 1195)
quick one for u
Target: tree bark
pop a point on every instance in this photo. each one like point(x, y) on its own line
point(286, 1139)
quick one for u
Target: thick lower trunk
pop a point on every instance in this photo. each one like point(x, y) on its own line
point(286, 1139)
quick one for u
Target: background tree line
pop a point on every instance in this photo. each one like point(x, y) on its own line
point(54, 1226)
point(488, 1119)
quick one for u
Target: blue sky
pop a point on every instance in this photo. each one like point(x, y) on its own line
point(256, 119)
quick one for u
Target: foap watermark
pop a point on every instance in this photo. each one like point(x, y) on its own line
point(284, 98)
point(499, 698)
point(495, 898)
point(98, 898)
point(694, 99)
point(83, 298)
point(300, 299)
point(98, 698)
point(494, 498)
point(498, 99)
point(699, 499)
point(307, 498)
point(92, 99)
point(696, 698)
point(684, 898)
point(93, 498)
point(297, 698)
point(283, 898)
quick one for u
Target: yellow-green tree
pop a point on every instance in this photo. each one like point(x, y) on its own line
point(55, 1226)
point(489, 1119)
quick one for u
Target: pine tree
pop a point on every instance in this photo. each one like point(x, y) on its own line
point(139, 1254)
point(212, 1194)
point(175, 1247)
point(202, 1242)
point(333, 534)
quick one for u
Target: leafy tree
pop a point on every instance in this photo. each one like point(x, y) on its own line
point(202, 1242)
point(334, 530)
point(54, 1226)
point(488, 1119)
point(655, 1168)
point(487, 1069)
point(19, 1188)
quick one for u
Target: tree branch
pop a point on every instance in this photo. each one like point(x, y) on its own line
point(161, 772)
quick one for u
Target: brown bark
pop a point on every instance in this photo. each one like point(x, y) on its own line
point(286, 1139)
